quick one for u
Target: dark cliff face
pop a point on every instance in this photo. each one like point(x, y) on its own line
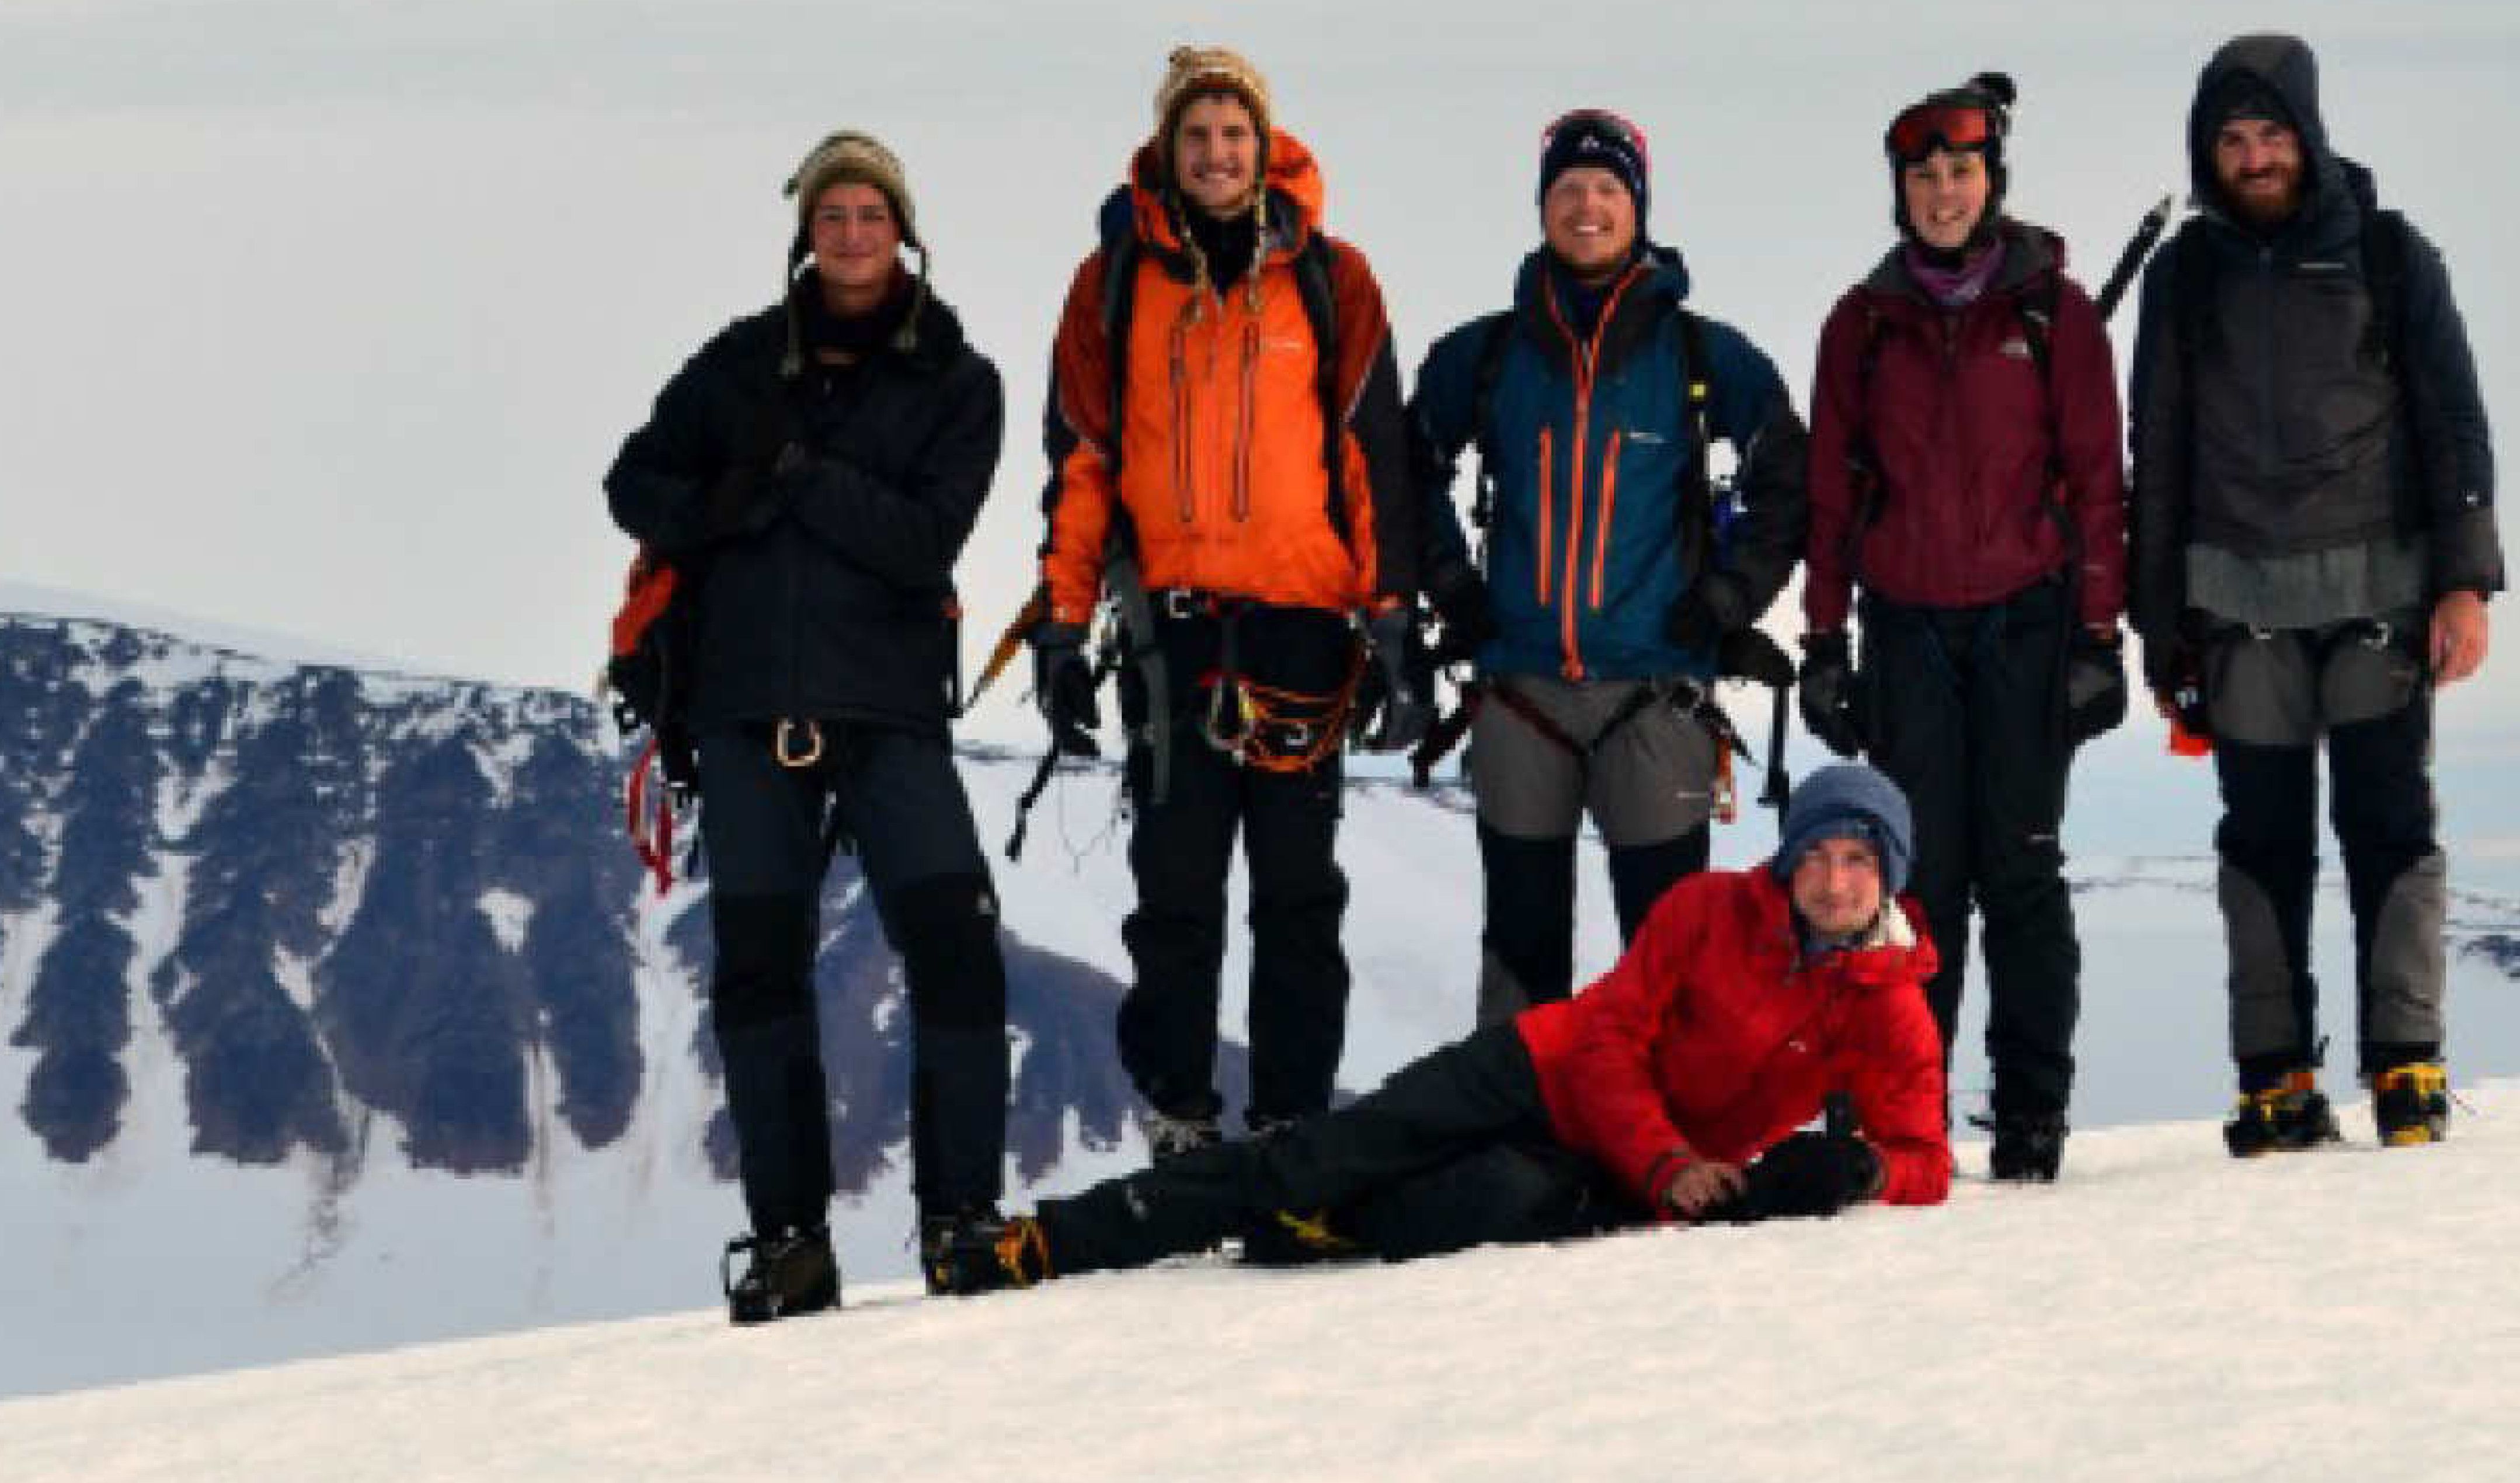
point(347, 896)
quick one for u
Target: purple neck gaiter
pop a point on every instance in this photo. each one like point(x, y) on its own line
point(1955, 288)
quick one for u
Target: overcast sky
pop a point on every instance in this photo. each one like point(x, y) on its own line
point(328, 318)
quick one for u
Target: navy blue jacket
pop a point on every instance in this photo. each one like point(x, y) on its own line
point(1598, 534)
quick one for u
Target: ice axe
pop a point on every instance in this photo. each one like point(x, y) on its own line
point(2139, 247)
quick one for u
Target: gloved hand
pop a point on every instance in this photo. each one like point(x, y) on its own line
point(1063, 686)
point(2173, 670)
point(1832, 708)
point(1714, 604)
point(1465, 619)
point(2095, 687)
point(1807, 1174)
point(1748, 654)
point(1395, 702)
point(742, 500)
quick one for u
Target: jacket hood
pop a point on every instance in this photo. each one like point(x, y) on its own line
point(1292, 181)
point(2286, 67)
point(2029, 251)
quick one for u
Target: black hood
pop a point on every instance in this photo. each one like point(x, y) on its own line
point(2284, 66)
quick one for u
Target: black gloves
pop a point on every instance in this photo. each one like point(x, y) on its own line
point(2095, 687)
point(1807, 1174)
point(1063, 686)
point(1714, 604)
point(1832, 708)
point(1395, 702)
point(2174, 671)
point(1748, 654)
point(763, 448)
point(1464, 618)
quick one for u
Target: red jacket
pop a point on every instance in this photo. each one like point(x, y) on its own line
point(1714, 1038)
point(1965, 443)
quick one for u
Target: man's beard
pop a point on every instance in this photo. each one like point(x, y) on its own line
point(2264, 211)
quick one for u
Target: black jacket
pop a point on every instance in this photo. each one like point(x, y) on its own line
point(2266, 419)
point(819, 515)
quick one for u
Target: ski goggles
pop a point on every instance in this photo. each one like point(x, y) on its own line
point(1579, 121)
point(1929, 126)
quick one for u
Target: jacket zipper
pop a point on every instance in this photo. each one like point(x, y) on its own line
point(1181, 422)
point(1243, 425)
point(1587, 354)
point(1610, 504)
point(2267, 452)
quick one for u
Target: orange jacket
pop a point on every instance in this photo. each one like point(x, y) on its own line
point(1220, 408)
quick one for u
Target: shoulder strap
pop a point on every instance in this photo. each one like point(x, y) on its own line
point(1119, 306)
point(1697, 389)
point(2384, 279)
point(1496, 337)
point(1321, 311)
point(1699, 517)
point(2036, 303)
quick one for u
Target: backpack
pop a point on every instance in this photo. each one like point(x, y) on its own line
point(646, 674)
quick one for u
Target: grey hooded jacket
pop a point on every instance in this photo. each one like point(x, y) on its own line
point(2273, 424)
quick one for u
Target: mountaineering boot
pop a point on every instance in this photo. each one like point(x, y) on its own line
point(1171, 1137)
point(2410, 1103)
point(2288, 1116)
point(984, 1252)
point(789, 1273)
point(939, 1232)
point(2028, 1146)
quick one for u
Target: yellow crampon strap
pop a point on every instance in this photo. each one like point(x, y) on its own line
point(1314, 1232)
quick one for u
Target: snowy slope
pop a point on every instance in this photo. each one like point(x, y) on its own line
point(154, 1258)
point(2164, 1313)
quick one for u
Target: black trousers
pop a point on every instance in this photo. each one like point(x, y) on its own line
point(1964, 708)
point(1181, 852)
point(895, 794)
point(1452, 1151)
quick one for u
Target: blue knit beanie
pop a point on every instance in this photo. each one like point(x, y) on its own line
point(1849, 801)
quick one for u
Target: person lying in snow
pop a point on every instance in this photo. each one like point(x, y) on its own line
point(1670, 1090)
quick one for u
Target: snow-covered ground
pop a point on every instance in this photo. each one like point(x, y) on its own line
point(149, 1261)
point(2163, 1313)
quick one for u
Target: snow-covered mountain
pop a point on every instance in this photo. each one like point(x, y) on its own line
point(335, 1013)
point(2162, 1314)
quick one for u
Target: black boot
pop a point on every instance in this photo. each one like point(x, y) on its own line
point(2028, 1146)
point(791, 1273)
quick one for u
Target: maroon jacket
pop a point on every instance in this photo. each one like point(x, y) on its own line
point(1966, 443)
point(1716, 1035)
